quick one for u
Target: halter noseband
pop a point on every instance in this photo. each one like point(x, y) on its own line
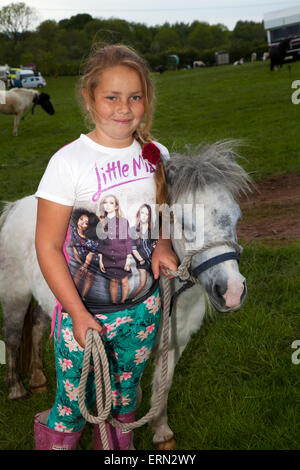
point(190, 278)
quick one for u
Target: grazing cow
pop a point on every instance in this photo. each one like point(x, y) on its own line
point(17, 100)
point(253, 57)
point(278, 53)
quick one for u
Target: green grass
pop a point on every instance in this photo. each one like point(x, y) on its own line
point(246, 103)
point(235, 386)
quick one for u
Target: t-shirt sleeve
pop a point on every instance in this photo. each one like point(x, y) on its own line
point(58, 182)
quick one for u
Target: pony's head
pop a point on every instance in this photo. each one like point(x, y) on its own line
point(203, 185)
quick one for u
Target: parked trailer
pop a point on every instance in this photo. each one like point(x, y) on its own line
point(283, 24)
point(222, 58)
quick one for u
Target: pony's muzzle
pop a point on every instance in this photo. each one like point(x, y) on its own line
point(225, 302)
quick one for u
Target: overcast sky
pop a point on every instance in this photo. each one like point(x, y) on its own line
point(155, 12)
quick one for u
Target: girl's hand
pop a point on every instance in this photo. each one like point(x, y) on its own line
point(163, 258)
point(83, 269)
point(81, 325)
point(102, 268)
point(127, 266)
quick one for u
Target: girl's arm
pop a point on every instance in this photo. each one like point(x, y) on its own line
point(127, 263)
point(51, 229)
point(101, 265)
point(87, 261)
point(138, 256)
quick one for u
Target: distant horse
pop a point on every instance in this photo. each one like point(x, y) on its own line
point(208, 180)
point(17, 100)
point(160, 69)
point(278, 53)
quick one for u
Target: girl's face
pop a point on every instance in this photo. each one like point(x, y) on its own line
point(83, 222)
point(118, 106)
point(110, 205)
point(144, 215)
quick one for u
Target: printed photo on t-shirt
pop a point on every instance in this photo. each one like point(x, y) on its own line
point(110, 258)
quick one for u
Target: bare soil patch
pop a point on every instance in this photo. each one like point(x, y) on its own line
point(272, 211)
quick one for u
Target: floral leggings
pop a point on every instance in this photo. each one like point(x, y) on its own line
point(129, 337)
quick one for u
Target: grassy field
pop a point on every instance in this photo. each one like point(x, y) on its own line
point(235, 386)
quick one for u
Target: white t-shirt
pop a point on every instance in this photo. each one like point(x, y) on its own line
point(113, 228)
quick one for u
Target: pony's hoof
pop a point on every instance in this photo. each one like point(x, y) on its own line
point(168, 445)
point(39, 388)
point(16, 392)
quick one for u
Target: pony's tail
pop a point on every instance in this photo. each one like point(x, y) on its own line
point(25, 350)
point(161, 185)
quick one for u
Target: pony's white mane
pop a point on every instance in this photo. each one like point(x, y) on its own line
point(205, 165)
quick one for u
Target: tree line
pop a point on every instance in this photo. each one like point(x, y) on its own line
point(58, 48)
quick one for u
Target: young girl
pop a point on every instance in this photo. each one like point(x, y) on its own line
point(118, 95)
point(143, 244)
point(84, 249)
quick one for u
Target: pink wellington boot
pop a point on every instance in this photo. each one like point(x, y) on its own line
point(49, 439)
point(116, 439)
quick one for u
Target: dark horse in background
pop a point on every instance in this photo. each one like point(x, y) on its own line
point(278, 53)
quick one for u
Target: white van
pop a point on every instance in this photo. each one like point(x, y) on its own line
point(21, 74)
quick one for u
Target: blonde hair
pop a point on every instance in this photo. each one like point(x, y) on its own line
point(102, 211)
point(107, 56)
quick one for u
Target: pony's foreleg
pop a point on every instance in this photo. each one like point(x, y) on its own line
point(38, 380)
point(14, 312)
point(163, 435)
